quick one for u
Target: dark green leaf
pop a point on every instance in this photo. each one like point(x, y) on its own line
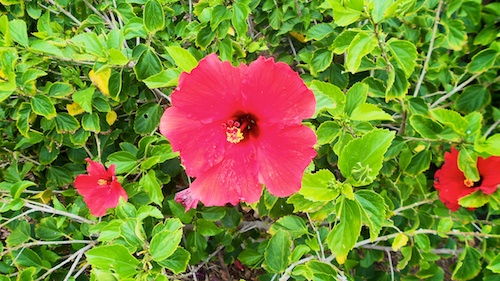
point(278, 252)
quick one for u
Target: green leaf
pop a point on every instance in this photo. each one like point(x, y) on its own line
point(295, 226)
point(207, 228)
point(152, 187)
point(360, 46)
point(419, 163)
point(398, 87)
point(153, 16)
point(473, 98)
point(328, 97)
point(250, 257)
point(327, 132)
point(20, 234)
point(467, 160)
point(474, 200)
point(166, 78)
point(164, 244)
point(316, 187)
point(239, 19)
point(342, 42)
point(147, 65)
point(343, 16)
point(60, 90)
point(490, 145)
point(23, 118)
point(321, 60)
point(90, 122)
point(456, 35)
point(425, 126)
point(147, 118)
point(450, 118)
point(277, 254)
point(45, 47)
point(494, 265)
point(66, 123)
point(373, 210)
point(178, 261)
point(42, 105)
point(84, 98)
point(361, 159)
point(380, 8)
point(423, 242)
point(319, 31)
point(322, 270)
point(355, 97)
point(47, 229)
point(369, 112)
point(344, 235)
point(91, 42)
point(19, 32)
point(482, 61)
point(17, 188)
point(27, 257)
point(115, 257)
point(125, 161)
point(182, 58)
point(468, 266)
point(405, 53)
point(204, 37)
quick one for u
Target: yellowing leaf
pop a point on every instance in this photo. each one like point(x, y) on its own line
point(298, 36)
point(2, 75)
point(399, 242)
point(101, 79)
point(230, 31)
point(111, 117)
point(74, 109)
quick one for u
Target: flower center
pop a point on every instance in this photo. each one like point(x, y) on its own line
point(471, 183)
point(239, 128)
point(102, 182)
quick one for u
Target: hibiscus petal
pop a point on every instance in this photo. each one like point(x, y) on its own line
point(283, 154)
point(186, 199)
point(231, 181)
point(201, 145)
point(276, 94)
point(86, 184)
point(490, 175)
point(210, 92)
point(108, 198)
point(449, 181)
point(96, 169)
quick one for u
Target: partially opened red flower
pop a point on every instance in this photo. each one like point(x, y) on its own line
point(237, 128)
point(452, 184)
point(100, 188)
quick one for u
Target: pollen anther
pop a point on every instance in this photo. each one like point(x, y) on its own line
point(102, 182)
point(234, 134)
point(468, 183)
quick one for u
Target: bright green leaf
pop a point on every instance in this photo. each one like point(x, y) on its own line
point(277, 254)
point(115, 257)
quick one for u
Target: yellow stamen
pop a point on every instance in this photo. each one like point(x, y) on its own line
point(468, 183)
point(102, 182)
point(234, 135)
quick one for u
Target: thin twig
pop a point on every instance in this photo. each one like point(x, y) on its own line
point(48, 209)
point(441, 251)
point(160, 93)
point(317, 236)
point(411, 206)
point(491, 128)
point(68, 14)
point(455, 90)
point(70, 258)
point(389, 257)
point(102, 16)
point(39, 243)
point(429, 51)
point(22, 156)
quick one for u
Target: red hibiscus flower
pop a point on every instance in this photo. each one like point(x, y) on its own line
point(452, 185)
point(100, 188)
point(237, 128)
